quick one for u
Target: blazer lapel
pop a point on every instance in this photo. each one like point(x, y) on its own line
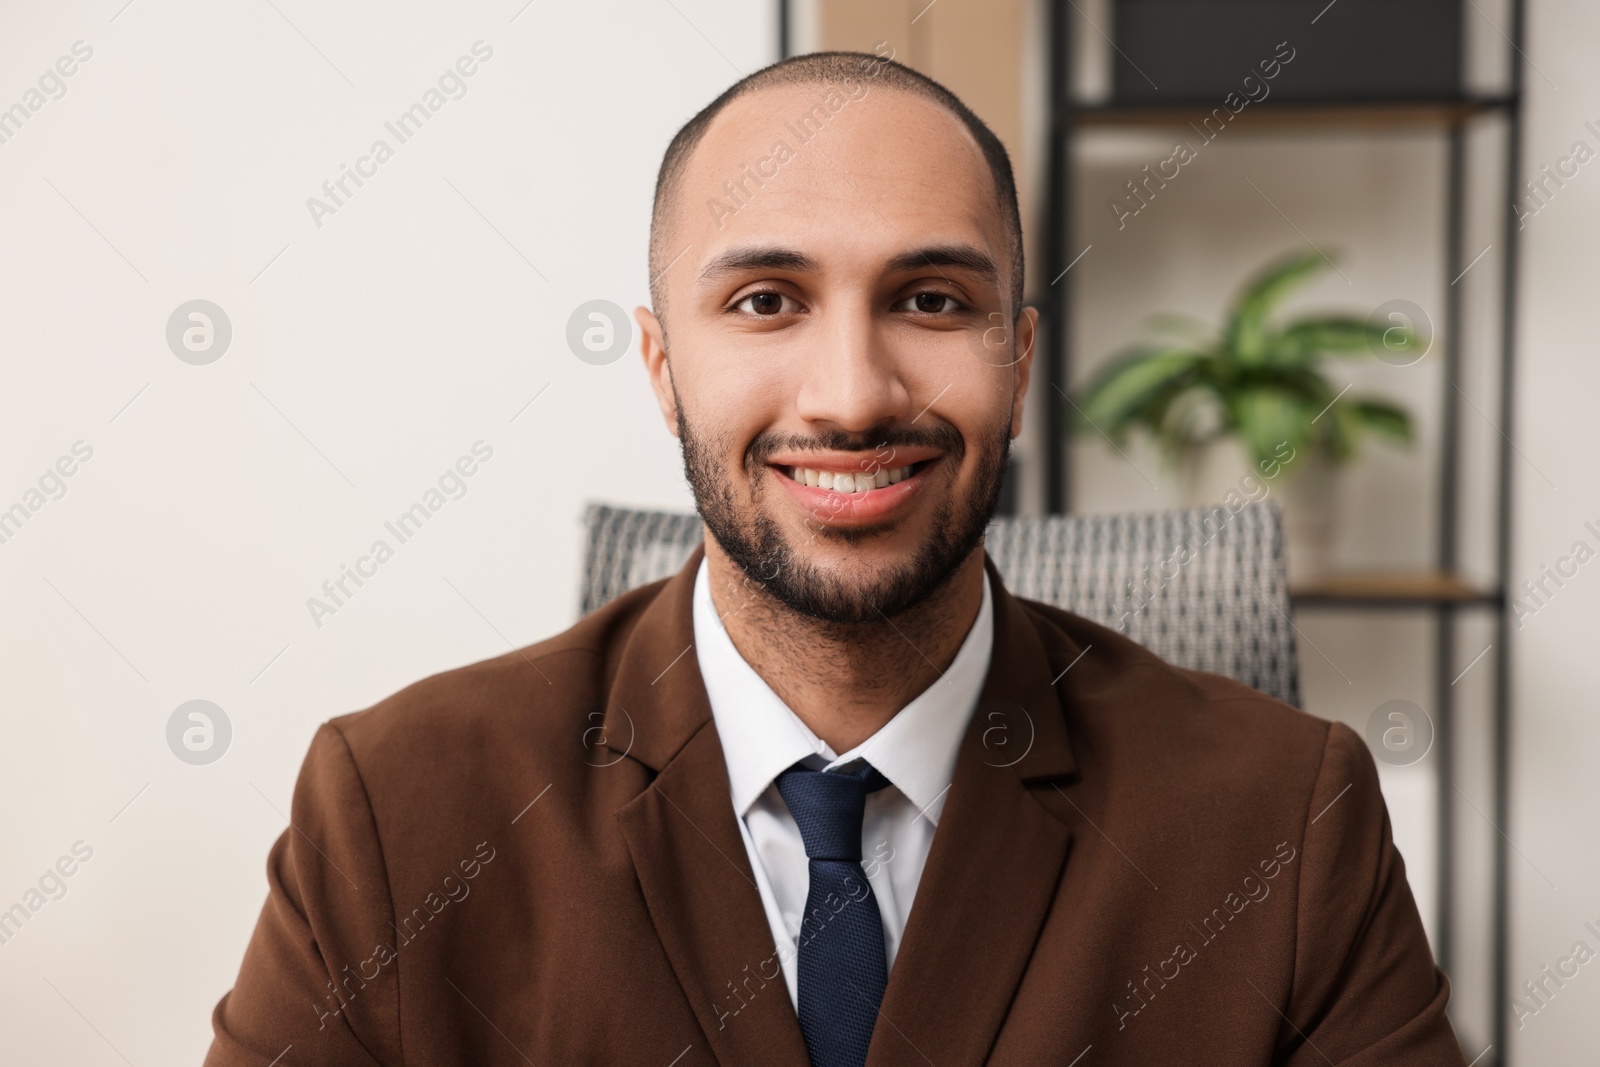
point(992, 873)
point(996, 860)
point(687, 851)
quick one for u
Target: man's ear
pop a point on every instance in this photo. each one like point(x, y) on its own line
point(653, 347)
point(1026, 335)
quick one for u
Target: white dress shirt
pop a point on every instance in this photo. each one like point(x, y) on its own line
point(915, 750)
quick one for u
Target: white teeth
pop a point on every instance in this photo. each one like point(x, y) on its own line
point(850, 481)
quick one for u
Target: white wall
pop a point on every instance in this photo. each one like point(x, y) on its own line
point(365, 359)
point(1554, 672)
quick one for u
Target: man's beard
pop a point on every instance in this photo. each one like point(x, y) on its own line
point(770, 560)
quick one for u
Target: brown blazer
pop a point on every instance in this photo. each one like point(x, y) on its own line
point(535, 859)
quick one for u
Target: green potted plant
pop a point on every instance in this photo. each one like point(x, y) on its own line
point(1257, 387)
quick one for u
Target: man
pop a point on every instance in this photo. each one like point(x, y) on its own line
point(832, 795)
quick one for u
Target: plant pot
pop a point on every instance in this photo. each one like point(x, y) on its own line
point(1309, 518)
point(1209, 473)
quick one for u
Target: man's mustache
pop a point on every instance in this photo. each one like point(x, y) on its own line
point(943, 438)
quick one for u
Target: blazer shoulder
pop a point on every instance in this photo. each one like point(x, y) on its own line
point(1215, 724)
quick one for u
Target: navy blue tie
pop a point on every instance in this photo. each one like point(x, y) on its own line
point(843, 968)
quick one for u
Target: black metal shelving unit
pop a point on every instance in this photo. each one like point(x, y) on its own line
point(1443, 592)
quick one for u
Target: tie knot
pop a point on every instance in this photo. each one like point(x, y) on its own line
point(828, 807)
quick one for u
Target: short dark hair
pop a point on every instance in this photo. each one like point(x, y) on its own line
point(822, 68)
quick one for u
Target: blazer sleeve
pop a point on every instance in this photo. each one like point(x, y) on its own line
point(1366, 990)
point(307, 982)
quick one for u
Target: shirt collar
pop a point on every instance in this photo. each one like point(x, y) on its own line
point(761, 737)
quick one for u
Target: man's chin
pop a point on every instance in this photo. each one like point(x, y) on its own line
point(861, 587)
point(838, 600)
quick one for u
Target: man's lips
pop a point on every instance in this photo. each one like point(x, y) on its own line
point(889, 456)
point(907, 467)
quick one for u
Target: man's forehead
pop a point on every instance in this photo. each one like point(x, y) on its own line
point(847, 169)
point(777, 110)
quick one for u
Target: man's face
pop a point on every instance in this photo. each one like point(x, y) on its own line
point(845, 370)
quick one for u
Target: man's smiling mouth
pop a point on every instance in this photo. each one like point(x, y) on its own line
point(851, 481)
point(862, 486)
point(852, 491)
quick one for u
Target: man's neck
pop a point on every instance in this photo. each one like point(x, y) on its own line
point(845, 680)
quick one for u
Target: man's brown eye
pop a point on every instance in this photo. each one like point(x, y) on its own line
point(931, 303)
point(766, 303)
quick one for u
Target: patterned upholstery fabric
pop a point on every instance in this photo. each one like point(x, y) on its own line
point(1203, 588)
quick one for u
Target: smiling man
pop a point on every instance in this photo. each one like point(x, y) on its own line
point(831, 796)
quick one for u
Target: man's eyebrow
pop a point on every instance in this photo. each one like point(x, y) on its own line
point(739, 260)
point(962, 257)
point(751, 258)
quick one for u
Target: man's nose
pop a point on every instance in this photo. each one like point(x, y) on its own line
point(851, 380)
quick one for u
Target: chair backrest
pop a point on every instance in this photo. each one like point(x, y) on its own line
point(1202, 588)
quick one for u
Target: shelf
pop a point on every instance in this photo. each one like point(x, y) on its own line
point(1395, 589)
point(1428, 589)
point(1307, 115)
